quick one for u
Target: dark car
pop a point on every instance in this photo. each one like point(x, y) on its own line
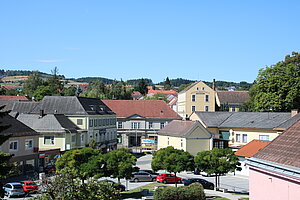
point(117, 186)
point(50, 169)
point(142, 176)
point(206, 184)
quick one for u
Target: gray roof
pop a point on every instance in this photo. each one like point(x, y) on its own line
point(48, 123)
point(233, 97)
point(213, 119)
point(177, 128)
point(8, 103)
point(16, 128)
point(256, 120)
point(68, 105)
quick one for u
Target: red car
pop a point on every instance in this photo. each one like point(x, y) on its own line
point(29, 186)
point(168, 178)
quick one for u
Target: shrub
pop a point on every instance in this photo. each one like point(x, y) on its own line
point(194, 191)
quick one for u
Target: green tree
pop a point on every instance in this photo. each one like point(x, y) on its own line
point(120, 164)
point(71, 91)
point(167, 84)
point(96, 89)
point(158, 96)
point(54, 83)
point(118, 90)
point(82, 163)
point(142, 87)
point(172, 160)
point(42, 91)
point(217, 161)
point(183, 86)
point(31, 84)
point(66, 187)
point(277, 88)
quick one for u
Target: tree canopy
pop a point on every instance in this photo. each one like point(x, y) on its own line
point(167, 84)
point(217, 161)
point(277, 88)
point(142, 87)
point(172, 160)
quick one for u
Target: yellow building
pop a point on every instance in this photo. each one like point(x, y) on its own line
point(240, 128)
point(196, 97)
point(189, 136)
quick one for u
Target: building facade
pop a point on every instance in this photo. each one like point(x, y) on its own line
point(189, 136)
point(138, 121)
point(196, 97)
point(23, 144)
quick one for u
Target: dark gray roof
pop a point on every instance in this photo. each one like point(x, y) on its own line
point(16, 128)
point(47, 123)
point(233, 97)
point(71, 105)
point(8, 103)
point(257, 120)
point(24, 106)
point(177, 128)
point(213, 119)
point(289, 122)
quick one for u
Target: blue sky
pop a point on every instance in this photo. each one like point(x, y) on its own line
point(200, 40)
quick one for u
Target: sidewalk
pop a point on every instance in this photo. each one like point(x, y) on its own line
point(233, 196)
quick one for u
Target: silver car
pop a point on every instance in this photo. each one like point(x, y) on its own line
point(13, 189)
point(143, 176)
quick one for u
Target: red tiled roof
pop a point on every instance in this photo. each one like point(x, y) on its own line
point(144, 108)
point(162, 92)
point(10, 87)
point(21, 98)
point(251, 148)
point(284, 149)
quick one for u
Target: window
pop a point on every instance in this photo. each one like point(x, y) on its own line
point(193, 98)
point(120, 124)
point(206, 108)
point(82, 138)
point(13, 145)
point(203, 88)
point(181, 143)
point(197, 88)
point(28, 144)
point(233, 108)
point(238, 137)
point(168, 141)
point(244, 138)
point(91, 122)
point(135, 125)
point(264, 137)
point(150, 125)
point(79, 122)
point(162, 125)
point(73, 138)
point(49, 140)
point(95, 122)
point(206, 98)
point(193, 108)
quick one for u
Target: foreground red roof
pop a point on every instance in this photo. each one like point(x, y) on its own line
point(144, 108)
point(251, 148)
point(21, 98)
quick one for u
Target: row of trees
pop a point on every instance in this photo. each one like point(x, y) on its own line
point(216, 161)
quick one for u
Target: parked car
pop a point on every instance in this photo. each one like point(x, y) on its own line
point(50, 169)
point(29, 186)
point(150, 171)
point(13, 189)
point(117, 186)
point(168, 178)
point(206, 184)
point(143, 176)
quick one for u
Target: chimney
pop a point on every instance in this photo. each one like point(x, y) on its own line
point(42, 113)
point(294, 112)
point(214, 84)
